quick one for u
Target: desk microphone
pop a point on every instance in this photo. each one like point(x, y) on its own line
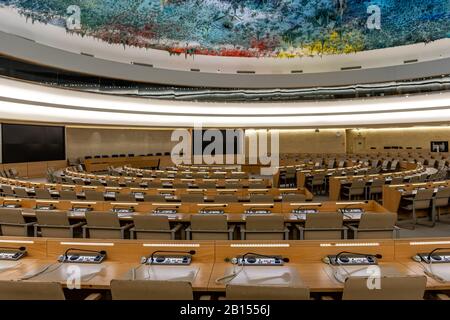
point(337, 256)
point(151, 256)
point(64, 257)
point(9, 248)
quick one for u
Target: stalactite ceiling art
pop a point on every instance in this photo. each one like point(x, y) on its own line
point(248, 28)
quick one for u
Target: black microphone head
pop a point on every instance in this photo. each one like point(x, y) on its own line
point(227, 259)
point(22, 248)
point(286, 260)
point(378, 256)
point(102, 252)
point(192, 252)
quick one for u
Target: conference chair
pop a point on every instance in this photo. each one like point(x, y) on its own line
point(151, 290)
point(323, 226)
point(397, 180)
point(55, 224)
point(420, 201)
point(192, 197)
point(441, 200)
point(154, 198)
point(42, 193)
point(390, 288)
point(244, 292)
point(257, 185)
point(125, 197)
point(113, 183)
point(7, 190)
point(376, 189)
point(374, 225)
point(23, 290)
point(153, 227)
point(267, 227)
point(96, 183)
point(67, 195)
point(356, 189)
point(294, 197)
point(209, 227)
point(104, 225)
point(226, 198)
point(12, 223)
point(180, 185)
point(133, 184)
point(317, 183)
point(21, 193)
point(261, 198)
point(233, 185)
point(289, 176)
point(78, 181)
point(207, 185)
point(92, 195)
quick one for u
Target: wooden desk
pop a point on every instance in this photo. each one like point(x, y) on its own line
point(102, 164)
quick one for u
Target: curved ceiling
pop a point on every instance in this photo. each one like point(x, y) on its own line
point(21, 101)
point(247, 28)
point(50, 44)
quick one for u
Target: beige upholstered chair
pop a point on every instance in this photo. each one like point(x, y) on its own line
point(55, 224)
point(67, 195)
point(125, 197)
point(23, 290)
point(92, 195)
point(391, 288)
point(294, 197)
point(42, 193)
point(192, 197)
point(153, 227)
point(374, 225)
point(264, 227)
point(226, 198)
point(209, 227)
point(261, 198)
point(12, 223)
point(323, 226)
point(420, 201)
point(151, 290)
point(104, 225)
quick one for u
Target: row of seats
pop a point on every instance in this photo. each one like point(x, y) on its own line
point(92, 195)
point(107, 225)
point(355, 288)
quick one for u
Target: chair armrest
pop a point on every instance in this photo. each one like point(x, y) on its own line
point(176, 228)
point(28, 224)
point(94, 296)
point(205, 297)
point(128, 226)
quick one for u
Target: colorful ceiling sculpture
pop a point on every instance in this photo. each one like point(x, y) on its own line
point(248, 28)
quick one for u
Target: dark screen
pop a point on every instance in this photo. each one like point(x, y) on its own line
point(29, 143)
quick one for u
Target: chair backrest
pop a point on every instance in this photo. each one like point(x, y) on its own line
point(243, 292)
point(154, 198)
point(67, 195)
point(261, 198)
point(264, 222)
point(209, 222)
point(92, 195)
point(21, 192)
point(151, 290)
point(151, 222)
point(96, 182)
point(113, 183)
point(295, 197)
point(42, 193)
point(22, 290)
point(358, 184)
point(325, 221)
point(102, 219)
point(257, 185)
point(391, 288)
point(442, 197)
point(192, 197)
point(125, 197)
point(397, 180)
point(53, 218)
point(54, 224)
point(374, 220)
point(6, 189)
point(226, 198)
point(12, 216)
